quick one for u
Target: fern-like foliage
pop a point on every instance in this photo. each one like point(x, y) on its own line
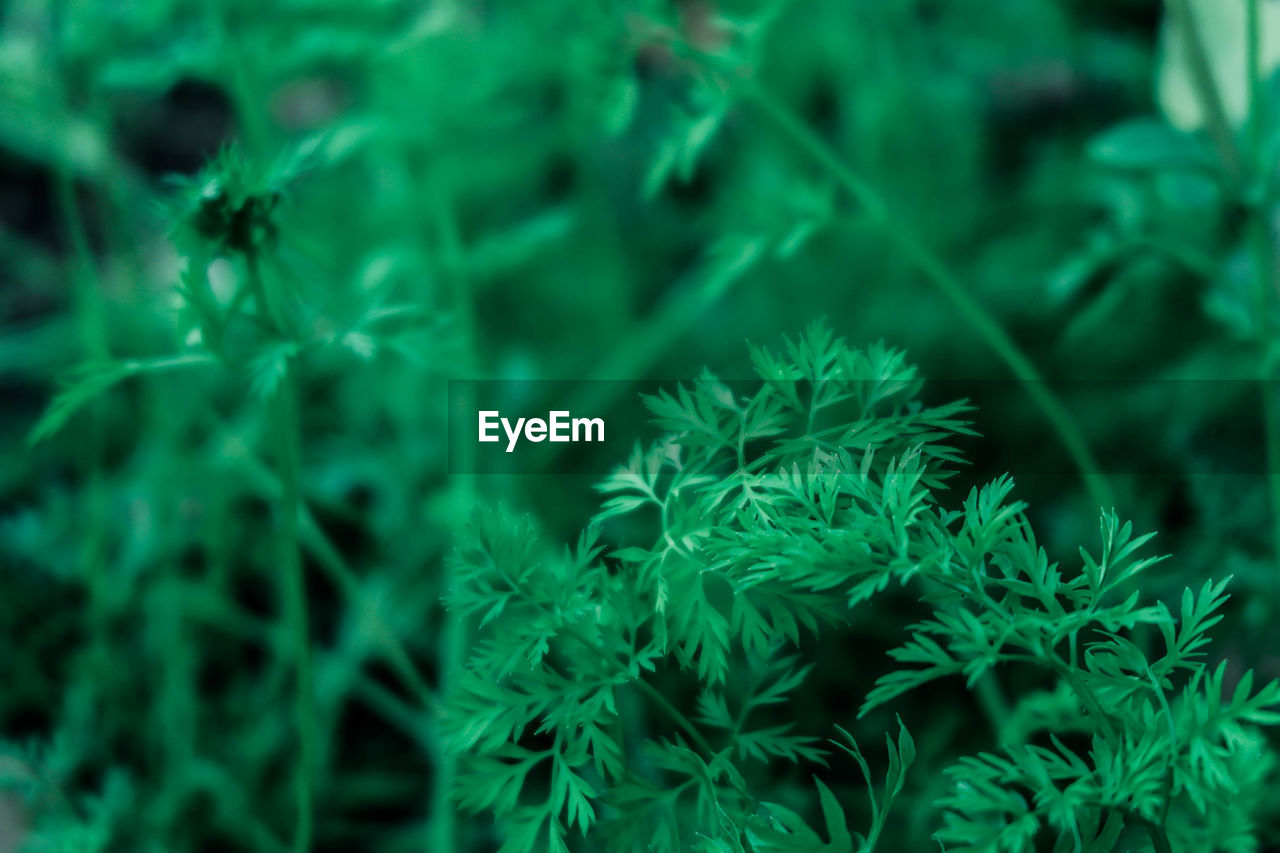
point(774, 513)
point(1166, 746)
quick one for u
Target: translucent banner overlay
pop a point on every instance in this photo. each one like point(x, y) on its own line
point(1132, 427)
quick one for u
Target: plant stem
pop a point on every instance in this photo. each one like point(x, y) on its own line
point(1262, 243)
point(645, 343)
point(287, 437)
point(330, 561)
point(284, 423)
point(453, 633)
point(1266, 271)
point(1086, 697)
point(935, 270)
point(1219, 127)
point(1157, 833)
point(648, 689)
point(1265, 281)
point(676, 715)
point(1173, 741)
point(267, 312)
point(397, 712)
point(993, 702)
point(86, 286)
point(87, 299)
point(1257, 83)
point(239, 68)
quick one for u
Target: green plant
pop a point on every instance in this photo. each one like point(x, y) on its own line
point(456, 200)
point(779, 512)
point(258, 329)
point(1197, 187)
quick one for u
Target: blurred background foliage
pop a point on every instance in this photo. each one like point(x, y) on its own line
point(558, 190)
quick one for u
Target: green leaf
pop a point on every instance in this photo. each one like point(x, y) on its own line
point(92, 380)
point(1149, 144)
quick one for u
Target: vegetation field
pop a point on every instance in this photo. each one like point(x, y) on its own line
point(934, 352)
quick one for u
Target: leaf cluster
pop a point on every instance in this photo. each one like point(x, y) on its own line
point(778, 511)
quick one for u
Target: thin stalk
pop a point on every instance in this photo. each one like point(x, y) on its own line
point(1173, 741)
point(1266, 274)
point(85, 283)
point(1266, 279)
point(235, 813)
point(1219, 127)
point(453, 633)
point(993, 702)
point(676, 715)
point(92, 328)
point(284, 426)
point(267, 310)
point(240, 65)
point(396, 711)
point(645, 343)
point(1159, 837)
point(174, 703)
point(1262, 242)
point(937, 273)
point(330, 561)
point(1257, 81)
point(1086, 697)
